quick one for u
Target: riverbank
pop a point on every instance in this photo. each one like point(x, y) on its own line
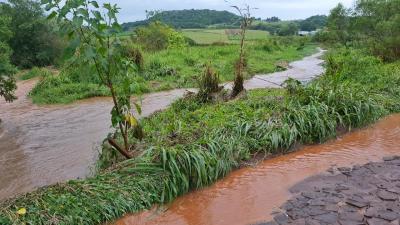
point(258, 190)
point(191, 145)
point(173, 69)
point(64, 140)
point(367, 194)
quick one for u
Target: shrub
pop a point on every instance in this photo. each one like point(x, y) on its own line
point(157, 36)
point(208, 84)
point(134, 54)
point(36, 72)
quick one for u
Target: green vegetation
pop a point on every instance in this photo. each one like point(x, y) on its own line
point(285, 28)
point(228, 36)
point(370, 25)
point(313, 23)
point(35, 41)
point(92, 31)
point(7, 71)
point(174, 68)
point(36, 72)
point(200, 139)
point(157, 36)
point(192, 144)
point(184, 19)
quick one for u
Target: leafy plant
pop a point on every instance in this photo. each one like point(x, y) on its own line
point(7, 71)
point(93, 33)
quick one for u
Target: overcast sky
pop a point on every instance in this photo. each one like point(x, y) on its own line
point(132, 10)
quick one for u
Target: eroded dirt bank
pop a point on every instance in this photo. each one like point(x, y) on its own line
point(250, 195)
point(43, 145)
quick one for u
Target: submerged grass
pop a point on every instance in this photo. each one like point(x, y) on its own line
point(192, 144)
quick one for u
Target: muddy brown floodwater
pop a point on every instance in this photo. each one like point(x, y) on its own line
point(250, 195)
point(43, 145)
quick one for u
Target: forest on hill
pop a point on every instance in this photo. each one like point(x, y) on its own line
point(205, 18)
point(189, 18)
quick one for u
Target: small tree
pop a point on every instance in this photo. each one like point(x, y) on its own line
point(245, 22)
point(93, 33)
point(7, 81)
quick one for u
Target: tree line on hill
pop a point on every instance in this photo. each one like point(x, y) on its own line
point(190, 18)
point(185, 19)
point(373, 25)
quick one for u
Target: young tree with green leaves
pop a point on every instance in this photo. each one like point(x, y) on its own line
point(93, 34)
point(338, 23)
point(7, 71)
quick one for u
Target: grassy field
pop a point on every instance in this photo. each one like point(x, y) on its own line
point(210, 36)
point(209, 140)
point(175, 68)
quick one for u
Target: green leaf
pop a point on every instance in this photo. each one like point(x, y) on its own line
point(95, 4)
point(52, 15)
point(78, 21)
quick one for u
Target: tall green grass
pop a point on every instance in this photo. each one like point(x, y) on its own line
point(35, 72)
point(172, 68)
point(193, 144)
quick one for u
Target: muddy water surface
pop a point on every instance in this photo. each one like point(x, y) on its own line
point(250, 195)
point(43, 145)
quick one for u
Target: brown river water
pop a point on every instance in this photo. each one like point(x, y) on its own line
point(250, 195)
point(43, 145)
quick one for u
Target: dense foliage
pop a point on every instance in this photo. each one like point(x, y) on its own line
point(158, 36)
point(371, 24)
point(189, 19)
point(193, 144)
point(286, 28)
point(7, 81)
point(313, 23)
point(35, 40)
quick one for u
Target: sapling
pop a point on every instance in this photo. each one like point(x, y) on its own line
point(92, 31)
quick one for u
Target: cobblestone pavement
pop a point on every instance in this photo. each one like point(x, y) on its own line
point(368, 194)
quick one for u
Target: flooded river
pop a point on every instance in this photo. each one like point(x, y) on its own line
point(250, 195)
point(43, 145)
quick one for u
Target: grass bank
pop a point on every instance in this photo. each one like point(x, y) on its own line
point(192, 145)
point(210, 36)
point(173, 68)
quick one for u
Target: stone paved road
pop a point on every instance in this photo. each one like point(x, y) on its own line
point(368, 194)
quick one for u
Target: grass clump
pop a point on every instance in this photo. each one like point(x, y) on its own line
point(36, 72)
point(208, 84)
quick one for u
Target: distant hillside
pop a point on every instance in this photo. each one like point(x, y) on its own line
point(313, 23)
point(189, 19)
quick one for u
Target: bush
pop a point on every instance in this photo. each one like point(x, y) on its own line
point(208, 84)
point(157, 36)
point(134, 54)
point(36, 72)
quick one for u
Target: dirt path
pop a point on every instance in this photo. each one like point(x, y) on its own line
point(43, 145)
